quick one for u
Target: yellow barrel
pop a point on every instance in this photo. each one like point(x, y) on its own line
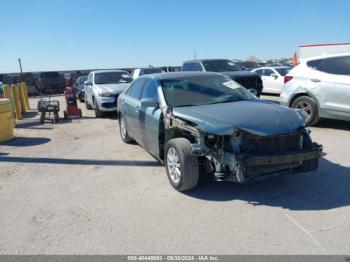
point(22, 98)
point(6, 120)
point(26, 97)
point(18, 110)
point(9, 95)
point(8, 92)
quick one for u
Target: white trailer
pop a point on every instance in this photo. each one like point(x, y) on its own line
point(307, 51)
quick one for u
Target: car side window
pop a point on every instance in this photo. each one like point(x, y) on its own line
point(259, 72)
point(136, 88)
point(187, 67)
point(333, 65)
point(267, 72)
point(150, 90)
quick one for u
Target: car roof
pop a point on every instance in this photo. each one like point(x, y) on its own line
point(203, 60)
point(174, 75)
point(270, 67)
point(109, 70)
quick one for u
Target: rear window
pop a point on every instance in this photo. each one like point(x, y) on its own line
point(283, 71)
point(51, 74)
point(333, 65)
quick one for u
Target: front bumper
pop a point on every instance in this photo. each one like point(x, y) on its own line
point(258, 167)
point(107, 104)
point(282, 159)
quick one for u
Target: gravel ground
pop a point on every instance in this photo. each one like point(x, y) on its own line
point(76, 188)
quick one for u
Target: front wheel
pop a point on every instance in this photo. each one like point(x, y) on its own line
point(87, 105)
point(122, 129)
point(309, 108)
point(181, 165)
point(98, 112)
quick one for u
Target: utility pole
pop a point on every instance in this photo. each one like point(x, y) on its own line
point(20, 67)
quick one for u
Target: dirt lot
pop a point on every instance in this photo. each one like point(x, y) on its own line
point(76, 188)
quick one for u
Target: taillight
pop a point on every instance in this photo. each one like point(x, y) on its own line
point(287, 79)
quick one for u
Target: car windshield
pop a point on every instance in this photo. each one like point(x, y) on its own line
point(202, 90)
point(112, 78)
point(283, 71)
point(220, 66)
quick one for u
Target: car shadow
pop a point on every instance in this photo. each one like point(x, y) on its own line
point(66, 161)
point(324, 189)
point(333, 124)
point(26, 141)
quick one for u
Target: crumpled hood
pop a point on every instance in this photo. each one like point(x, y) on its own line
point(114, 88)
point(255, 116)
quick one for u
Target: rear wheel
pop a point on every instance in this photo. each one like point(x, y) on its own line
point(42, 117)
point(181, 165)
point(57, 118)
point(309, 108)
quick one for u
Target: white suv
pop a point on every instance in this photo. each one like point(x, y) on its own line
point(102, 89)
point(320, 87)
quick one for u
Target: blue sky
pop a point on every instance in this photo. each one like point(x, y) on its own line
point(77, 34)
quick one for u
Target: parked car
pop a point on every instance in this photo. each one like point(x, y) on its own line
point(102, 89)
point(249, 80)
point(320, 87)
point(136, 73)
point(50, 82)
point(79, 87)
point(248, 65)
point(272, 78)
point(204, 125)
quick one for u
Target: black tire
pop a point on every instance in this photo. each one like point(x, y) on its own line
point(87, 105)
point(65, 115)
point(188, 164)
point(124, 136)
point(98, 113)
point(42, 117)
point(308, 105)
point(57, 118)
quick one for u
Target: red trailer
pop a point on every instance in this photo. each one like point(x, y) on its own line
point(72, 110)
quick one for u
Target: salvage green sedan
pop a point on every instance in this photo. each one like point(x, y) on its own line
point(205, 125)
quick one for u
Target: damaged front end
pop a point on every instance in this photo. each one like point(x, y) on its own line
point(245, 156)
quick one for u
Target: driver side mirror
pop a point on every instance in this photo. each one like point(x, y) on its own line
point(149, 102)
point(87, 83)
point(275, 76)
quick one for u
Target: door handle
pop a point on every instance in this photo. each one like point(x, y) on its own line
point(315, 80)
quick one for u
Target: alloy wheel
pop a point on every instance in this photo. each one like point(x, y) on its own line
point(122, 127)
point(173, 165)
point(305, 107)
